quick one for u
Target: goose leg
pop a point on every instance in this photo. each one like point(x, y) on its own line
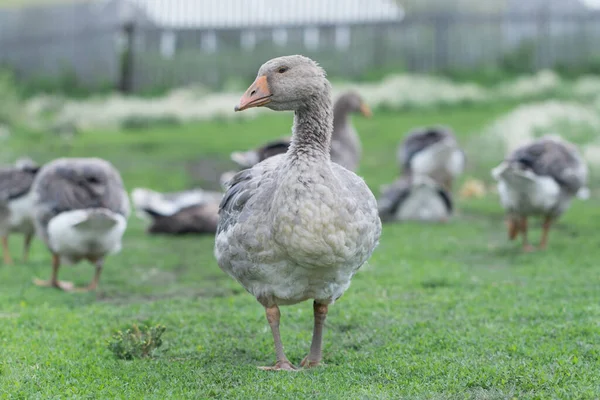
point(526, 246)
point(26, 246)
point(273, 316)
point(545, 230)
point(94, 283)
point(54, 282)
point(514, 226)
point(6, 251)
point(314, 356)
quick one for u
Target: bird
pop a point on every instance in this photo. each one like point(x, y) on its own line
point(178, 213)
point(345, 142)
point(80, 212)
point(432, 151)
point(16, 204)
point(296, 226)
point(246, 159)
point(540, 179)
point(417, 198)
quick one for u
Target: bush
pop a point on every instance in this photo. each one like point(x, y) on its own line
point(136, 341)
point(9, 99)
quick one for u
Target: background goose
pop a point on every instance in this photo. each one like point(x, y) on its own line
point(345, 142)
point(191, 211)
point(246, 159)
point(433, 152)
point(540, 179)
point(80, 212)
point(417, 198)
point(16, 204)
point(296, 226)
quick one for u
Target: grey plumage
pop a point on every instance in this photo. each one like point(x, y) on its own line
point(197, 219)
point(420, 139)
point(393, 197)
point(68, 184)
point(177, 213)
point(296, 226)
point(15, 182)
point(557, 159)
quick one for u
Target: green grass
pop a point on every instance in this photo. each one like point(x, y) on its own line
point(442, 312)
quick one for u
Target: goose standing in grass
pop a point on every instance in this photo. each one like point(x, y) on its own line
point(178, 213)
point(345, 142)
point(540, 179)
point(80, 212)
point(16, 204)
point(296, 226)
point(433, 152)
point(417, 198)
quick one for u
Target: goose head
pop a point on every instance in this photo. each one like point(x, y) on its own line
point(285, 84)
point(27, 164)
point(352, 102)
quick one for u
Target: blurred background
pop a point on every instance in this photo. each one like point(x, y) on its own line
point(145, 46)
point(78, 67)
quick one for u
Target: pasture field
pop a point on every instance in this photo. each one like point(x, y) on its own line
point(449, 311)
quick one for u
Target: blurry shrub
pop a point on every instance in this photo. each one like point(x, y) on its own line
point(519, 60)
point(9, 99)
point(136, 341)
point(136, 122)
point(64, 83)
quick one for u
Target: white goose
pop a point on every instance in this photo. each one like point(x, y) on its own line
point(540, 179)
point(296, 226)
point(16, 204)
point(80, 212)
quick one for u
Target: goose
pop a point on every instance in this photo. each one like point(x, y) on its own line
point(540, 179)
point(434, 152)
point(16, 204)
point(80, 212)
point(345, 143)
point(417, 198)
point(296, 226)
point(190, 211)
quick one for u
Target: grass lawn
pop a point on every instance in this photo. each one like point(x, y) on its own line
point(448, 311)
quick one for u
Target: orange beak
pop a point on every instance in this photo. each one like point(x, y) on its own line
point(365, 110)
point(257, 95)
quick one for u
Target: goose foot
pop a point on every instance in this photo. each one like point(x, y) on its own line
point(306, 363)
point(528, 248)
point(62, 285)
point(280, 366)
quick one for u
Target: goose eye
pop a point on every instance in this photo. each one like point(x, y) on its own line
point(282, 70)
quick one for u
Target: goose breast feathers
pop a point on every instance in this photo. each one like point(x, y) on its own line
point(303, 237)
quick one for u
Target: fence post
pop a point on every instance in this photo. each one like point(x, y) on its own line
point(441, 29)
point(544, 39)
point(126, 57)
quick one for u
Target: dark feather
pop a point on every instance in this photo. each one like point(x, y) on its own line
point(420, 139)
point(15, 183)
point(393, 197)
point(197, 219)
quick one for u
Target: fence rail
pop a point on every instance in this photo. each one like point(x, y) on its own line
point(140, 56)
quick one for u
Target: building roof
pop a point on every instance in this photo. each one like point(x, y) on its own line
point(257, 13)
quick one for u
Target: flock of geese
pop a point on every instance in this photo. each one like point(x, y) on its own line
point(295, 222)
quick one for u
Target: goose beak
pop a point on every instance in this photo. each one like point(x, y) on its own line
point(257, 95)
point(365, 110)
